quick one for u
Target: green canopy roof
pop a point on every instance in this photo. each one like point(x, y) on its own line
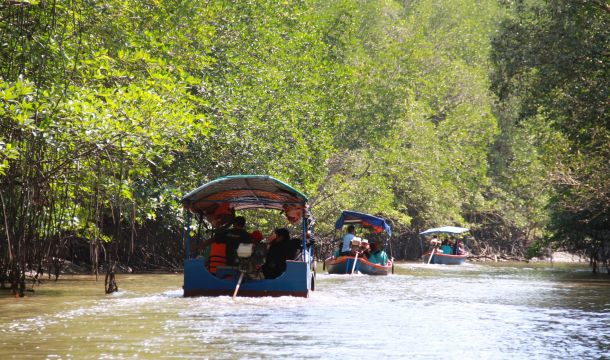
point(245, 192)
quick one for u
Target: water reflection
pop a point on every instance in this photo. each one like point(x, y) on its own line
point(423, 311)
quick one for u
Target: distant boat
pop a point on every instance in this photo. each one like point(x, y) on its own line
point(342, 264)
point(221, 197)
point(444, 259)
point(436, 256)
point(345, 264)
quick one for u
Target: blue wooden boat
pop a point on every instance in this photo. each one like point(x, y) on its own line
point(337, 264)
point(435, 255)
point(345, 265)
point(211, 202)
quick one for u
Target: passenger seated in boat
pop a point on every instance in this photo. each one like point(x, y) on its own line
point(235, 236)
point(347, 239)
point(378, 256)
point(355, 248)
point(460, 248)
point(259, 250)
point(280, 250)
point(218, 254)
point(365, 249)
point(446, 247)
point(224, 244)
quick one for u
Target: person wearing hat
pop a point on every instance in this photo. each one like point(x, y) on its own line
point(377, 255)
point(365, 249)
point(355, 246)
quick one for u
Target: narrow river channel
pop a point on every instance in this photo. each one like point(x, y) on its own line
point(474, 311)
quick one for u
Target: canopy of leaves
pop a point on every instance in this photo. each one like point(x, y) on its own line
point(551, 65)
point(110, 111)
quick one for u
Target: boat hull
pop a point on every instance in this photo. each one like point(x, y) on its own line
point(295, 281)
point(445, 259)
point(344, 265)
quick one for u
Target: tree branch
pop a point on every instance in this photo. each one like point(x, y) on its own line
point(602, 4)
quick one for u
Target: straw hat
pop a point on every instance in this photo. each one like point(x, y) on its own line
point(356, 241)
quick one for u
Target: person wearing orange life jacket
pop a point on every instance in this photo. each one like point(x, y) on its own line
point(217, 257)
point(224, 244)
point(218, 250)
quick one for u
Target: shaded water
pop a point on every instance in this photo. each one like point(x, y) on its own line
point(423, 311)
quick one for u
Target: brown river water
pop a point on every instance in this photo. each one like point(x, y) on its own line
point(474, 311)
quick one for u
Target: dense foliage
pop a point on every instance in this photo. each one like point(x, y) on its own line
point(552, 76)
point(110, 111)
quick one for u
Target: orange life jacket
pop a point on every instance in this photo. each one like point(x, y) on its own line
point(218, 256)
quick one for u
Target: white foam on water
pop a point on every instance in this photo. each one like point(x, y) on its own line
point(523, 313)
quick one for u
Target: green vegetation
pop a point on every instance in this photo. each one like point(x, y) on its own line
point(552, 77)
point(488, 114)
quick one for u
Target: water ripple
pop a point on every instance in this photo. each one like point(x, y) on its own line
point(421, 312)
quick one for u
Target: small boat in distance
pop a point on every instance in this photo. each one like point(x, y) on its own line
point(345, 264)
point(351, 264)
point(445, 254)
point(210, 205)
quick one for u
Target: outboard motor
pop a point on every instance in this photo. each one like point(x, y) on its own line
point(244, 250)
point(244, 253)
point(247, 262)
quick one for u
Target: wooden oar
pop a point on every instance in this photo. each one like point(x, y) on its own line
point(355, 261)
point(431, 255)
point(241, 276)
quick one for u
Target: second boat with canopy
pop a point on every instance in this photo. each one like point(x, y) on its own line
point(447, 251)
point(359, 260)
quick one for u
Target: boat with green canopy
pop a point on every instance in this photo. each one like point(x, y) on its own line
point(212, 206)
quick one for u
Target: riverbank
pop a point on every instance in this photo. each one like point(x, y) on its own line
point(562, 256)
point(555, 257)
